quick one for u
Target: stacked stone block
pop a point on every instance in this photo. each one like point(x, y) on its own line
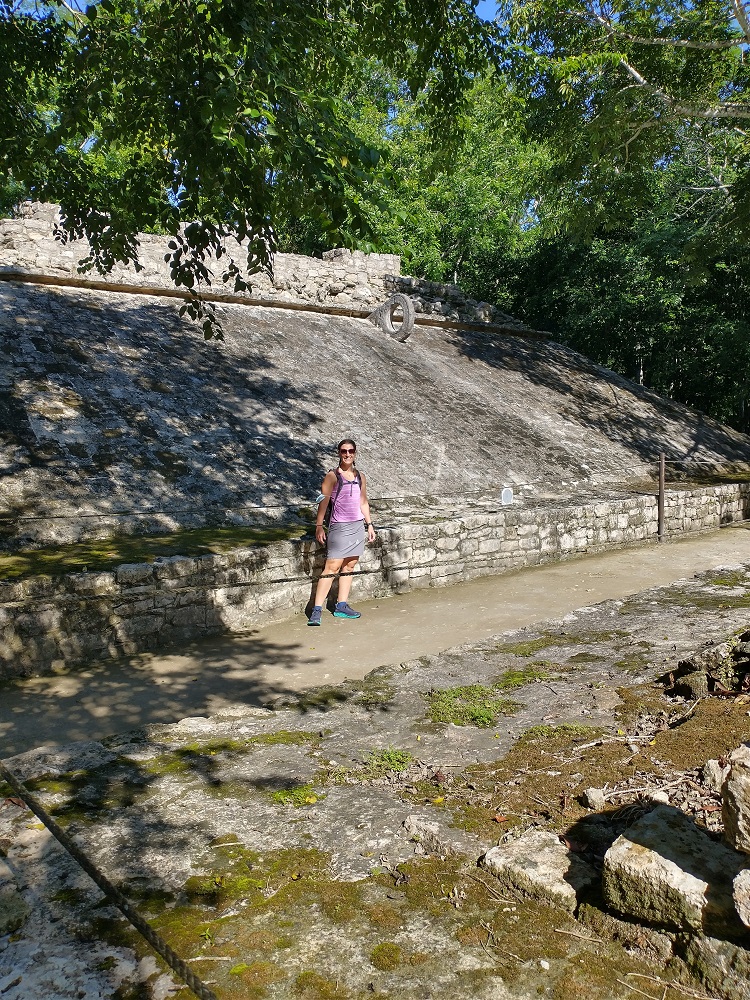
point(340, 278)
point(53, 622)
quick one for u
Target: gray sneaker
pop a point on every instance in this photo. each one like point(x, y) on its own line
point(344, 610)
point(315, 614)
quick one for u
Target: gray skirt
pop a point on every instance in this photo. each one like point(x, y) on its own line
point(345, 539)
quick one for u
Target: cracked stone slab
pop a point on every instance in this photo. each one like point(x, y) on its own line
point(666, 871)
point(539, 866)
point(735, 794)
point(741, 895)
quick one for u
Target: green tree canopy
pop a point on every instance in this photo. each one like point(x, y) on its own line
point(625, 88)
point(444, 208)
point(204, 118)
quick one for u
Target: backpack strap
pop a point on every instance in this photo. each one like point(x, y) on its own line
point(339, 486)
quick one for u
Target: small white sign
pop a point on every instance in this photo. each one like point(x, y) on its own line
point(506, 497)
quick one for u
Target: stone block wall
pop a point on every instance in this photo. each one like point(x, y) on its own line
point(341, 278)
point(82, 616)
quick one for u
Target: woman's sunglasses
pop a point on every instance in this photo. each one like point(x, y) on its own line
point(347, 451)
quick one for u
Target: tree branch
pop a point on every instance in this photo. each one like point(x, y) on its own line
point(682, 108)
point(685, 43)
point(740, 12)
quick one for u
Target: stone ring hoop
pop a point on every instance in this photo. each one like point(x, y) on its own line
point(398, 306)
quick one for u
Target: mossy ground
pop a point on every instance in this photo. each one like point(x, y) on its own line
point(255, 912)
point(541, 779)
point(404, 931)
point(727, 590)
point(548, 640)
point(110, 552)
point(480, 704)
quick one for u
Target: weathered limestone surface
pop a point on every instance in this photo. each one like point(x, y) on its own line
point(723, 967)
point(736, 800)
point(539, 866)
point(118, 418)
point(667, 872)
point(741, 895)
point(13, 908)
point(152, 808)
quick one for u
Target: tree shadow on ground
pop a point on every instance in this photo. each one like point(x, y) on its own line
point(205, 677)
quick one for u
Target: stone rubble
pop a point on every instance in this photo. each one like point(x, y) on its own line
point(666, 872)
point(537, 865)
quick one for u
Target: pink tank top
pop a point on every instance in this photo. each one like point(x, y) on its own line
point(345, 500)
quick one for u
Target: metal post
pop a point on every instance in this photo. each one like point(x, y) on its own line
point(662, 468)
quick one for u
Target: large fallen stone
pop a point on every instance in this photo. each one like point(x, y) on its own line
point(723, 967)
point(539, 866)
point(741, 895)
point(735, 800)
point(666, 871)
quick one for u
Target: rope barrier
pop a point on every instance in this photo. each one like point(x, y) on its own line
point(157, 942)
point(6, 518)
point(14, 519)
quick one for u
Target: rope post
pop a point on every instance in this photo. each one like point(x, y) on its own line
point(662, 476)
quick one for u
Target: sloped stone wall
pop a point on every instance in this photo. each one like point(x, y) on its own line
point(80, 616)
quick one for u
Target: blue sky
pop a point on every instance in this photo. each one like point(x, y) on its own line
point(486, 9)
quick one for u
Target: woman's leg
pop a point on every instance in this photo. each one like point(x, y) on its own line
point(345, 577)
point(325, 582)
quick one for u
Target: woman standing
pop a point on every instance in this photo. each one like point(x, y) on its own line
point(345, 490)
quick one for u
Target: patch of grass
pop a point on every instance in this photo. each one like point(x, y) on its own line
point(511, 679)
point(386, 956)
point(310, 985)
point(390, 759)
point(479, 704)
point(726, 578)
point(473, 705)
point(297, 796)
point(548, 639)
point(106, 554)
point(532, 646)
